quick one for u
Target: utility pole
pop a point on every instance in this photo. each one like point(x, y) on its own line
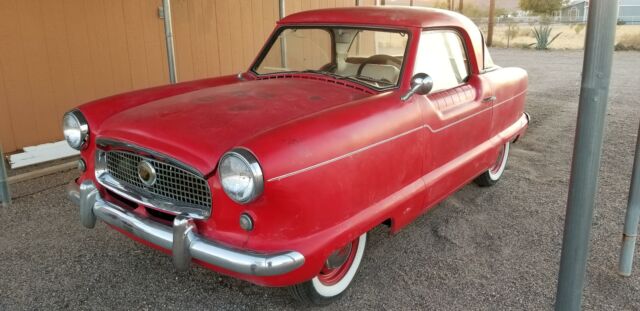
point(492, 13)
point(587, 151)
point(461, 6)
point(168, 33)
point(5, 196)
point(630, 233)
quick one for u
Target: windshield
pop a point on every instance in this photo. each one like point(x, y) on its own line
point(371, 57)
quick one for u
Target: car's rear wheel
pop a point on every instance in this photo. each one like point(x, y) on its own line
point(493, 174)
point(335, 277)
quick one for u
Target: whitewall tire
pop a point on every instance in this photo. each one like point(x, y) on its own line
point(333, 280)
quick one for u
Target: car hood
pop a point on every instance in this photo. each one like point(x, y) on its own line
point(196, 128)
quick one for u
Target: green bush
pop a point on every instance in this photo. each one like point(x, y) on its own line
point(578, 29)
point(543, 37)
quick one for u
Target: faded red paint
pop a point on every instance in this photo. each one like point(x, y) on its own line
point(337, 159)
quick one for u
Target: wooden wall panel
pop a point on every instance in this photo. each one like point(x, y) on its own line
point(55, 55)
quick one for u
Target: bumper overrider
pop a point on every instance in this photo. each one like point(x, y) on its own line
point(182, 238)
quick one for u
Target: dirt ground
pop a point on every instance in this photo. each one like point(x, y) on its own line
point(492, 248)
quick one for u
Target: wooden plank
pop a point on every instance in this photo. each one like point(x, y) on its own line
point(83, 73)
point(224, 36)
point(153, 28)
point(118, 45)
point(246, 34)
point(17, 91)
point(198, 42)
point(58, 58)
point(182, 39)
point(235, 25)
point(98, 47)
point(35, 52)
point(7, 142)
point(211, 38)
point(42, 153)
point(258, 27)
point(42, 172)
point(135, 43)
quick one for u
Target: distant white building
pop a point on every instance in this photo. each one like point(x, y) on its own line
point(578, 10)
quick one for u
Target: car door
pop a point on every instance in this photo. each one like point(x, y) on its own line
point(457, 112)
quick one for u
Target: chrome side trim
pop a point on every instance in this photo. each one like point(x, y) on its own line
point(182, 239)
point(426, 126)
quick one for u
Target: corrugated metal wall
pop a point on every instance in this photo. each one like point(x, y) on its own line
point(57, 54)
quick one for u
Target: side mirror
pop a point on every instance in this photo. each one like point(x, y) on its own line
point(421, 84)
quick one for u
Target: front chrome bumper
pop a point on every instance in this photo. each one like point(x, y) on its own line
point(181, 239)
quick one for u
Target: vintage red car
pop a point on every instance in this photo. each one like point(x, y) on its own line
point(347, 119)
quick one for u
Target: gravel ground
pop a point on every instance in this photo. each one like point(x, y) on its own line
point(484, 248)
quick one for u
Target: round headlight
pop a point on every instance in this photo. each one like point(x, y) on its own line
point(76, 129)
point(240, 175)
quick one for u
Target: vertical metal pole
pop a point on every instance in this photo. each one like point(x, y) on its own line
point(5, 195)
point(168, 33)
point(632, 218)
point(596, 74)
point(492, 13)
point(410, 2)
point(283, 42)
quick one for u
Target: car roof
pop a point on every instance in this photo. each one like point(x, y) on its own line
point(395, 16)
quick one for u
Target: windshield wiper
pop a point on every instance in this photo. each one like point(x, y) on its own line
point(321, 72)
point(370, 79)
point(339, 77)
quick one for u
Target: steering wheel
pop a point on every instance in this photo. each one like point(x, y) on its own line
point(380, 59)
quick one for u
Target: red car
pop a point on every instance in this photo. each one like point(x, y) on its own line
point(347, 119)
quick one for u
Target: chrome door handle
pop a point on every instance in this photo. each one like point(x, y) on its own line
point(489, 99)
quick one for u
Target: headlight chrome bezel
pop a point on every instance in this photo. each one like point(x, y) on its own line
point(252, 163)
point(83, 128)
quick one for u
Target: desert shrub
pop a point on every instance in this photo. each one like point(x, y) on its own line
point(578, 29)
point(628, 42)
point(543, 37)
point(621, 22)
point(511, 32)
point(498, 44)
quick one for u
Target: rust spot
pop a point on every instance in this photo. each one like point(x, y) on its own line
point(242, 107)
point(206, 99)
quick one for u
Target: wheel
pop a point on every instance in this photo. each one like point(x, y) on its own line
point(334, 278)
point(493, 174)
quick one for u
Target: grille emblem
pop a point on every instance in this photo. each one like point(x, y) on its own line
point(147, 173)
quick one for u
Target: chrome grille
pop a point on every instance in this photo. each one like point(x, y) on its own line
point(173, 183)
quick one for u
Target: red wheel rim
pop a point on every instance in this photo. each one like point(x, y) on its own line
point(330, 276)
point(496, 167)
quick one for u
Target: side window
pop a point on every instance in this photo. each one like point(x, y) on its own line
point(441, 55)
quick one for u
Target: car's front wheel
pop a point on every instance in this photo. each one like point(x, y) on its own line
point(335, 277)
point(493, 174)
